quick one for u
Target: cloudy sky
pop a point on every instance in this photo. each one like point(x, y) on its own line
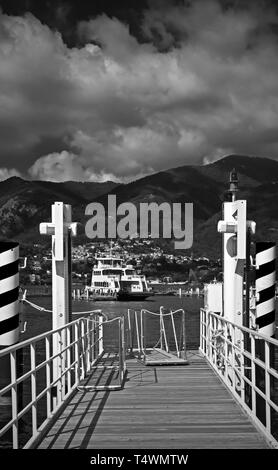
point(117, 91)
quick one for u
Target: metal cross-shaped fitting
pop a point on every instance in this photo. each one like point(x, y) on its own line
point(238, 225)
point(59, 227)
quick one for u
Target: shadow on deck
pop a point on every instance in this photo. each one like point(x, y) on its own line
point(184, 407)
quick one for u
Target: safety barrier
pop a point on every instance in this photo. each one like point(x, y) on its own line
point(247, 362)
point(137, 329)
point(80, 346)
point(118, 369)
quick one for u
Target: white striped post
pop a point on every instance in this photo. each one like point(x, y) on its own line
point(265, 317)
point(9, 288)
point(9, 321)
point(265, 287)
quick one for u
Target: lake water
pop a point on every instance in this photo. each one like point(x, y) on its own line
point(39, 322)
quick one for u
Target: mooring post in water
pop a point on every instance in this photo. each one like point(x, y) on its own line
point(265, 287)
point(9, 290)
point(265, 306)
point(9, 317)
point(61, 228)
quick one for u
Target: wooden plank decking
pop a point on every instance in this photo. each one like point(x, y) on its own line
point(181, 407)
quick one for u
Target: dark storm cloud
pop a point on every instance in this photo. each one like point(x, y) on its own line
point(193, 82)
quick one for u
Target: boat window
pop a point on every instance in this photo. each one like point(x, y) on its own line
point(106, 261)
point(116, 262)
point(97, 273)
point(101, 284)
point(129, 272)
point(130, 283)
point(110, 272)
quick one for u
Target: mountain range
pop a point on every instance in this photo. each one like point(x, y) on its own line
point(24, 204)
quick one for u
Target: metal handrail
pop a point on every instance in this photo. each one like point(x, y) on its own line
point(37, 338)
point(80, 346)
point(231, 350)
point(243, 328)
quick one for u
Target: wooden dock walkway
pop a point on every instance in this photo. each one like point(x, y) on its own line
point(182, 407)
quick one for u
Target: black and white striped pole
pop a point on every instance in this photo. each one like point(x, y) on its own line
point(9, 290)
point(265, 287)
point(9, 316)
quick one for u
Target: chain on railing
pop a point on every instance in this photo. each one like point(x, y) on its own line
point(247, 362)
point(80, 346)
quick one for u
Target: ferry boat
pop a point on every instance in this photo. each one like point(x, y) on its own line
point(112, 279)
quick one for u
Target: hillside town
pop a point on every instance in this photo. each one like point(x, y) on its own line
point(146, 255)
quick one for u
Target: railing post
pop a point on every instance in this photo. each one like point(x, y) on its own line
point(14, 399)
point(253, 376)
point(33, 389)
point(213, 346)
point(267, 387)
point(204, 316)
point(121, 351)
point(123, 344)
point(100, 329)
point(82, 354)
point(60, 379)
point(129, 330)
point(77, 353)
point(175, 335)
point(226, 349)
point(68, 361)
point(161, 326)
point(91, 340)
point(142, 332)
point(94, 335)
point(137, 332)
point(208, 336)
point(164, 334)
point(88, 345)
point(242, 366)
point(233, 357)
point(184, 335)
point(201, 331)
point(48, 376)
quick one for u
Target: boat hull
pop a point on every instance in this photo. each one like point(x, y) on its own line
point(123, 296)
point(102, 298)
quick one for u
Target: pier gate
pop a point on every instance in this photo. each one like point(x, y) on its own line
point(157, 338)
